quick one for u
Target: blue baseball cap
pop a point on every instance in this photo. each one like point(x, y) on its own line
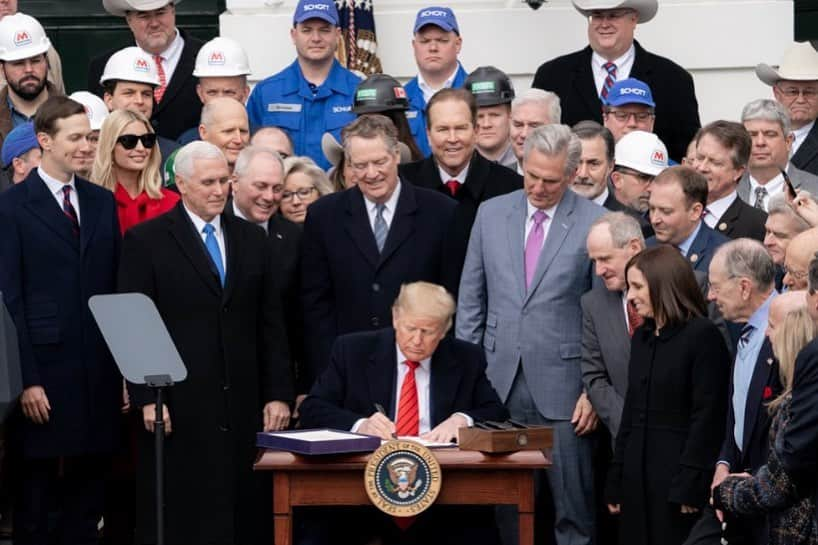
point(630, 91)
point(316, 9)
point(439, 16)
point(20, 140)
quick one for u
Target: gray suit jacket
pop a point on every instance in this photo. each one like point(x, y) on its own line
point(801, 179)
point(539, 328)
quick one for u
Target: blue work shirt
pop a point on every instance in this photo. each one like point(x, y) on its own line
point(416, 115)
point(305, 111)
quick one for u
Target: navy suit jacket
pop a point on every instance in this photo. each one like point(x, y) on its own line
point(701, 251)
point(677, 112)
point(741, 220)
point(346, 285)
point(752, 454)
point(806, 158)
point(362, 372)
point(47, 276)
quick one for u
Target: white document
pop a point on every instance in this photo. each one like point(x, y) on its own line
point(318, 435)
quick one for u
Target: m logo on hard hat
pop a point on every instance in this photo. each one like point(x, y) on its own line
point(658, 158)
point(216, 59)
point(22, 38)
point(141, 65)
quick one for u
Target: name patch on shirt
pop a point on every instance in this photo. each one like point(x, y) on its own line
point(281, 107)
point(411, 114)
point(341, 109)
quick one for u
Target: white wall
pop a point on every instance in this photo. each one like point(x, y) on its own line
point(718, 41)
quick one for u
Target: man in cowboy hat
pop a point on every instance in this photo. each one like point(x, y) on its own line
point(582, 79)
point(153, 24)
point(795, 85)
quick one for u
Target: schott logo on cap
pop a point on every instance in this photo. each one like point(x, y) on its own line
point(141, 65)
point(21, 38)
point(316, 7)
point(658, 158)
point(632, 91)
point(216, 59)
point(433, 13)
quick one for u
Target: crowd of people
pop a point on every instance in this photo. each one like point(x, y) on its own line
point(582, 254)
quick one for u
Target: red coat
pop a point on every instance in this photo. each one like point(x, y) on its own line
point(142, 208)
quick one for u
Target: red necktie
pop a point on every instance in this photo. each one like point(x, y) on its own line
point(408, 420)
point(454, 187)
point(610, 79)
point(159, 92)
point(69, 211)
point(634, 318)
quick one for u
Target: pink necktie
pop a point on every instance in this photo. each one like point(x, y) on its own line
point(533, 246)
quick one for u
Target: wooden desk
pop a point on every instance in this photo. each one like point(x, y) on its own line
point(506, 479)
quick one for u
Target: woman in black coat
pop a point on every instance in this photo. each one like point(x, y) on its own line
point(674, 414)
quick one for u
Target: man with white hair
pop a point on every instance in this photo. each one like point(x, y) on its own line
point(795, 86)
point(519, 298)
point(782, 225)
point(768, 123)
point(531, 109)
point(224, 124)
point(213, 279)
point(582, 79)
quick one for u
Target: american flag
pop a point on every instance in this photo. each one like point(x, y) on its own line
point(358, 50)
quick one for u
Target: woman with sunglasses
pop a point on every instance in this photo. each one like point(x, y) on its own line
point(128, 163)
point(304, 183)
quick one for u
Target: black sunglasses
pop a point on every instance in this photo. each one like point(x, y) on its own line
point(129, 141)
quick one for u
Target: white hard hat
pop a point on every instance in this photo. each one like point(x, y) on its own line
point(130, 64)
point(21, 37)
point(641, 151)
point(221, 57)
point(121, 7)
point(94, 106)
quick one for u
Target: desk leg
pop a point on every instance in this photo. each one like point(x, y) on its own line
point(282, 510)
point(525, 506)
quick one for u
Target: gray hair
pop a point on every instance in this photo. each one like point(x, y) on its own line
point(209, 110)
point(249, 153)
point(306, 166)
point(812, 278)
point(195, 151)
point(768, 110)
point(747, 258)
point(779, 204)
point(553, 140)
point(546, 99)
point(622, 227)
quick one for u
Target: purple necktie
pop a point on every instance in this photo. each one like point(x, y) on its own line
point(533, 246)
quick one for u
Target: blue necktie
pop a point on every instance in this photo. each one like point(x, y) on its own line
point(213, 249)
point(381, 229)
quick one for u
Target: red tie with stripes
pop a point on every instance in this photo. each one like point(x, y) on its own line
point(69, 210)
point(159, 91)
point(408, 420)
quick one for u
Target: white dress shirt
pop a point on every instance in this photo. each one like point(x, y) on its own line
point(388, 210)
point(529, 222)
point(460, 178)
point(773, 187)
point(199, 224)
point(602, 197)
point(716, 209)
point(623, 67)
point(800, 135)
point(55, 187)
point(427, 90)
point(171, 56)
point(238, 213)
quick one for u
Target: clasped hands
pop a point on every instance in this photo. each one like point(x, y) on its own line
point(445, 432)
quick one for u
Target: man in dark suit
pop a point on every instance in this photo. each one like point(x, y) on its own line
point(174, 53)
point(60, 246)
point(795, 86)
point(768, 124)
point(742, 285)
point(456, 169)
point(213, 278)
point(360, 245)
point(581, 78)
point(413, 364)
point(595, 165)
point(257, 187)
point(722, 153)
point(677, 198)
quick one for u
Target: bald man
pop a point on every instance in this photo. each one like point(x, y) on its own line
point(224, 124)
point(800, 252)
point(783, 305)
point(274, 138)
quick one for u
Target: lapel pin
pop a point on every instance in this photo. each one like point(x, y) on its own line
point(694, 258)
point(278, 236)
point(722, 227)
point(769, 361)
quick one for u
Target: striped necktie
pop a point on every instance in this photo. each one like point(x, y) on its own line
point(69, 210)
point(380, 227)
point(610, 79)
point(159, 91)
point(408, 423)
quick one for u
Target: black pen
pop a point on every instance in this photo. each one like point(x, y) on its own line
point(380, 409)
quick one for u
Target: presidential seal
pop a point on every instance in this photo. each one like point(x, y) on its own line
point(402, 478)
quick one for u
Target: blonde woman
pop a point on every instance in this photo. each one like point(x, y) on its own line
point(771, 491)
point(304, 183)
point(128, 163)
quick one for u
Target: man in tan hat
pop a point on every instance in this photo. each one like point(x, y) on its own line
point(153, 25)
point(583, 78)
point(795, 85)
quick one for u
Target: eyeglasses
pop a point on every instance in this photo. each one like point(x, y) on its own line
point(302, 194)
point(609, 15)
point(129, 141)
point(644, 178)
point(623, 117)
point(809, 93)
